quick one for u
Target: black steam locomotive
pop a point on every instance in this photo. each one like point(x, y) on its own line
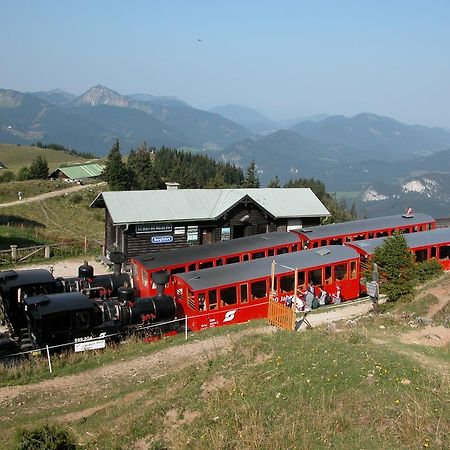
point(43, 310)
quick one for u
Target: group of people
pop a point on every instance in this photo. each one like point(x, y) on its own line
point(312, 297)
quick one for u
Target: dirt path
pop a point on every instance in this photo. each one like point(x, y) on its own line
point(156, 365)
point(57, 193)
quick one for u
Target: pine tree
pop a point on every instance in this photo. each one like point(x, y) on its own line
point(116, 173)
point(251, 179)
point(274, 182)
point(140, 164)
point(396, 264)
point(38, 169)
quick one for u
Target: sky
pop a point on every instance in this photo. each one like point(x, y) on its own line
point(286, 59)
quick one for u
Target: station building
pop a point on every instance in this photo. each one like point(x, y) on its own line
point(140, 222)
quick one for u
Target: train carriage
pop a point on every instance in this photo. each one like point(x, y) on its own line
point(239, 292)
point(424, 246)
point(194, 258)
point(356, 230)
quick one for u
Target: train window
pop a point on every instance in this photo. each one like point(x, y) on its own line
point(421, 255)
point(444, 252)
point(353, 272)
point(201, 301)
point(336, 241)
point(340, 272)
point(176, 270)
point(270, 252)
point(405, 230)
point(433, 252)
point(258, 255)
point(359, 237)
point(212, 297)
point(245, 257)
point(382, 233)
point(61, 323)
point(416, 228)
point(145, 278)
point(191, 300)
point(219, 262)
point(287, 283)
point(232, 259)
point(191, 267)
point(348, 239)
point(301, 280)
point(282, 250)
point(370, 235)
point(315, 244)
point(228, 296)
point(81, 320)
point(323, 242)
point(328, 275)
point(244, 293)
point(315, 276)
point(258, 289)
point(205, 265)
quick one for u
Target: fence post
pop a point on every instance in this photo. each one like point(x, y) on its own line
point(47, 252)
point(85, 244)
point(185, 328)
point(13, 252)
point(49, 360)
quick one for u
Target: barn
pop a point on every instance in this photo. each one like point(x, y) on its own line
point(140, 222)
point(79, 172)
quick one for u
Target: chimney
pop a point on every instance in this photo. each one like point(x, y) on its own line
point(172, 185)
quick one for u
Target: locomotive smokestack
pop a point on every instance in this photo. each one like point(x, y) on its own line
point(117, 258)
point(160, 278)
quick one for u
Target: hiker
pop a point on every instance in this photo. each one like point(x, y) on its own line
point(337, 297)
point(20, 194)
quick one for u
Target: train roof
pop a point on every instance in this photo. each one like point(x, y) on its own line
point(258, 268)
point(413, 240)
point(44, 305)
point(216, 250)
point(362, 226)
point(12, 278)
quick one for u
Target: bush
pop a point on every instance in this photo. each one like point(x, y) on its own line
point(427, 270)
point(7, 176)
point(47, 437)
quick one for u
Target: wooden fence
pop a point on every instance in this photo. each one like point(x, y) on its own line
point(281, 316)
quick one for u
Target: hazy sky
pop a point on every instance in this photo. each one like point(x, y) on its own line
point(283, 58)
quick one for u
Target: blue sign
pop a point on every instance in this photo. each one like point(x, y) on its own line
point(162, 239)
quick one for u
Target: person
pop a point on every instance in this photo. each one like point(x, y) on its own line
point(309, 296)
point(322, 296)
point(337, 296)
point(19, 194)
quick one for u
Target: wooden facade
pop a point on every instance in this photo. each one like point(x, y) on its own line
point(245, 218)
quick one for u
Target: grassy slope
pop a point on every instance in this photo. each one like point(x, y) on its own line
point(356, 388)
point(15, 157)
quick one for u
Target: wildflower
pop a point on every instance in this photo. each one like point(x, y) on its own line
point(397, 402)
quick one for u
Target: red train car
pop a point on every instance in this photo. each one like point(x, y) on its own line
point(424, 246)
point(341, 233)
point(237, 293)
point(199, 257)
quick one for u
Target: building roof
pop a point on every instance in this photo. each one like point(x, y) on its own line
point(259, 268)
point(205, 204)
point(82, 171)
point(180, 256)
point(413, 240)
point(363, 226)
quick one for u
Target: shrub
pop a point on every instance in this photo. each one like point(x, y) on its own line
point(47, 437)
point(7, 176)
point(427, 270)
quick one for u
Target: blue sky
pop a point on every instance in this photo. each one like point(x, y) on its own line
point(286, 59)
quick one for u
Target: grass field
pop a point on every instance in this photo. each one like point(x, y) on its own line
point(357, 386)
point(17, 156)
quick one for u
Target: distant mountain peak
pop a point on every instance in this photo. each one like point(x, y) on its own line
point(101, 95)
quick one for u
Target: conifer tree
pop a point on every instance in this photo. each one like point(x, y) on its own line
point(116, 173)
point(274, 182)
point(38, 169)
point(251, 179)
point(140, 164)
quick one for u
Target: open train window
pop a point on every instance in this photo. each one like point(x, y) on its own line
point(212, 298)
point(228, 296)
point(315, 244)
point(191, 300)
point(191, 267)
point(82, 320)
point(270, 252)
point(176, 270)
point(315, 276)
point(258, 255)
point(323, 242)
point(287, 283)
point(219, 262)
point(245, 257)
point(382, 233)
point(353, 272)
point(61, 323)
point(328, 275)
point(405, 230)
point(244, 293)
point(421, 255)
point(232, 259)
point(336, 241)
point(444, 252)
point(433, 252)
point(340, 272)
point(202, 301)
point(282, 250)
point(205, 265)
point(258, 289)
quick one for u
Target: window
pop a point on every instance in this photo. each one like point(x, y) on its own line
point(270, 252)
point(205, 265)
point(287, 283)
point(282, 250)
point(228, 296)
point(212, 297)
point(323, 242)
point(315, 276)
point(145, 278)
point(348, 239)
point(433, 252)
point(359, 237)
point(301, 280)
point(245, 257)
point(244, 293)
point(191, 300)
point(176, 270)
point(405, 230)
point(258, 289)
point(61, 323)
point(191, 267)
point(82, 320)
point(232, 259)
point(444, 252)
point(370, 235)
point(258, 255)
point(219, 262)
point(353, 272)
point(336, 241)
point(382, 234)
point(328, 275)
point(416, 228)
point(421, 255)
point(340, 272)
point(315, 244)
point(202, 301)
